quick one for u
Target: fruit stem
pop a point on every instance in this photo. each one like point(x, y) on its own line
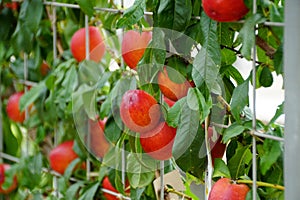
point(262, 184)
point(224, 103)
point(171, 190)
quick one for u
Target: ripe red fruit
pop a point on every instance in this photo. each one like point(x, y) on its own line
point(12, 5)
point(225, 10)
point(61, 156)
point(169, 101)
point(134, 45)
point(216, 145)
point(158, 143)
point(139, 111)
point(171, 89)
point(13, 109)
point(44, 68)
point(107, 185)
point(225, 189)
point(97, 46)
point(13, 186)
point(98, 142)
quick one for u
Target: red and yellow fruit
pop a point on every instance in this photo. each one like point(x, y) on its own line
point(158, 142)
point(216, 145)
point(13, 108)
point(44, 68)
point(171, 89)
point(13, 186)
point(225, 10)
point(134, 45)
point(225, 189)
point(108, 186)
point(99, 144)
point(61, 156)
point(97, 46)
point(139, 111)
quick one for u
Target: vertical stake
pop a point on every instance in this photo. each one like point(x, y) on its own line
point(87, 57)
point(162, 184)
point(292, 96)
point(54, 39)
point(254, 162)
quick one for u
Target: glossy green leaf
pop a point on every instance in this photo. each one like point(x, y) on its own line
point(266, 77)
point(220, 169)
point(246, 35)
point(72, 190)
point(237, 164)
point(191, 158)
point(278, 113)
point(174, 14)
point(133, 14)
point(87, 6)
point(32, 95)
point(186, 130)
point(239, 99)
point(138, 174)
point(112, 131)
point(208, 60)
point(272, 150)
point(28, 23)
point(89, 194)
point(232, 131)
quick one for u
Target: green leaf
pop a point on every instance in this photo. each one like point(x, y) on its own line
point(70, 82)
point(232, 131)
point(192, 158)
point(6, 21)
point(196, 101)
point(279, 112)
point(28, 23)
point(72, 190)
point(112, 130)
point(174, 14)
point(32, 95)
point(186, 130)
point(220, 169)
point(246, 35)
point(278, 60)
point(89, 194)
point(89, 72)
point(133, 14)
point(239, 99)
point(272, 151)
point(173, 115)
point(238, 162)
point(208, 60)
point(266, 77)
point(138, 174)
point(87, 6)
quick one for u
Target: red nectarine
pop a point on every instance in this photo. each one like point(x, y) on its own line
point(134, 45)
point(13, 109)
point(139, 111)
point(158, 142)
point(97, 46)
point(171, 89)
point(226, 189)
point(13, 186)
point(61, 156)
point(107, 185)
point(99, 144)
point(225, 10)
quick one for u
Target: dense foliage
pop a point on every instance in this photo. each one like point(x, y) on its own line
point(59, 103)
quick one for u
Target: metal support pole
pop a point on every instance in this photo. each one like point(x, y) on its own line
point(254, 161)
point(292, 96)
